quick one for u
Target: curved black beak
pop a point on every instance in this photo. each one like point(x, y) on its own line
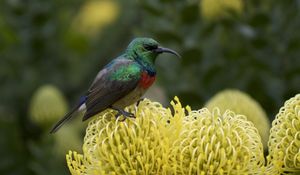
point(166, 50)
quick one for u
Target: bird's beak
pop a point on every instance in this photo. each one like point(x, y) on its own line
point(166, 50)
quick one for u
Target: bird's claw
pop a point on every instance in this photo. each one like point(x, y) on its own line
point(125, 114)
point(130, 115)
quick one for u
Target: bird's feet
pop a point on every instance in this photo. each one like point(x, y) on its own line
point(122, 112)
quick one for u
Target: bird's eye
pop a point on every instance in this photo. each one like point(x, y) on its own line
point(150, 47)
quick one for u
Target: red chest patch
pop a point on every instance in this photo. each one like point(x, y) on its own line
point(146, 80)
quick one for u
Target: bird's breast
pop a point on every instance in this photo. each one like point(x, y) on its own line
point(146, 80)
point(130, 98)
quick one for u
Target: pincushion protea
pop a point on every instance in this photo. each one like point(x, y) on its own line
point(242, 103)
point(217, 143)
point(47, 105)
point(159, 142)
point(284, 141)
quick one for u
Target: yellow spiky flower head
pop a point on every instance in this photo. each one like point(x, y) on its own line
point(47, 105)
point(241, 103)
point(159, 142)
point(215, 9)
point(284, 141)
point(138, 146)
point(217, 143)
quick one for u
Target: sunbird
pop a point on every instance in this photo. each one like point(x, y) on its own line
point(121, 82)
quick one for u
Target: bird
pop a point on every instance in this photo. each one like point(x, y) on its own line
point(122, 82)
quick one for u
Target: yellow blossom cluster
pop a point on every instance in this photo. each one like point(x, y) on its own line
point(284, 142)
point(173, 140)
point(47, 105)
point(179, 140)
point(217, 143)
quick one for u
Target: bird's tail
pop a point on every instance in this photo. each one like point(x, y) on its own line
point(66, 118)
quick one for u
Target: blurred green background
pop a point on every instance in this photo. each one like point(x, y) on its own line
point(55, 48)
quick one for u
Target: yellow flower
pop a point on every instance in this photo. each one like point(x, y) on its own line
point(47, 105)
point(95, 15)
point(214, 9)
point(159, 142)
point(217, 143)
point(136, 146)
point(241, 103)
point(285, 136)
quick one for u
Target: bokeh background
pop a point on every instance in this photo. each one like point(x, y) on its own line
point(50, 51)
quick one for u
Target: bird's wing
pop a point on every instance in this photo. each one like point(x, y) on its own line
point(111, 84)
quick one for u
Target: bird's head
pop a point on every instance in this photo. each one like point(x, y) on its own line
point(147, 49)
